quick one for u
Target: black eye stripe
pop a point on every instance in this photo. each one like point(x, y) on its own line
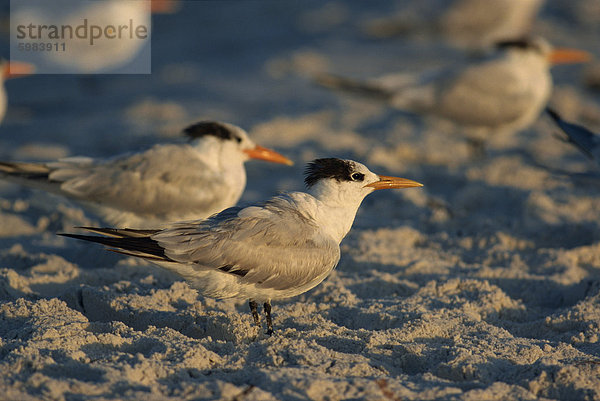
point(210, 128)
point(332, 168)
point(318, 169)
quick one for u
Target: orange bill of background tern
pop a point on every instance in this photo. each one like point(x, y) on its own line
point(276, 249)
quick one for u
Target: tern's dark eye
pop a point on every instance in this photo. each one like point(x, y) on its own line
point(357, 176)
point(238, 139)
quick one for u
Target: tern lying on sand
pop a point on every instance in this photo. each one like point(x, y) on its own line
point(168, 182)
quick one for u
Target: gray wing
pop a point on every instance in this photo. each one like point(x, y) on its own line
point(274, 246)
point(164, 180)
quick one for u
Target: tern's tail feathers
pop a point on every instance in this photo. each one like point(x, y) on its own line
point(24, 171)
point(33, 175)
point(120, 232)
point(371, 90)
point(126, 241)
point(585, 140)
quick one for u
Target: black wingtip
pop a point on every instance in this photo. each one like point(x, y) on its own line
point(120, 232)
point(69, 235)
point(89, 228)
point(89, 238)
point(150, 248)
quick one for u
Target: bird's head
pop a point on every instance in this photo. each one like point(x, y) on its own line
point(231, 140)
point(347, 181)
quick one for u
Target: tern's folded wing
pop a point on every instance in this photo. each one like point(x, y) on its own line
point(160, 181)
point(274, 246)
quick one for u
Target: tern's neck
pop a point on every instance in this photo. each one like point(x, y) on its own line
point(530, 59)
point(338, 220)
point(333, 212)
point(225, 161)
point(218, 154)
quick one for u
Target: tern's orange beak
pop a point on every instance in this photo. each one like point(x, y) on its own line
point(16, 69)
point(164, 6)
point(260, 153)
point(386, 182)
point(568, 56)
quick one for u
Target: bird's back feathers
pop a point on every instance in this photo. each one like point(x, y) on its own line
point(272, 248)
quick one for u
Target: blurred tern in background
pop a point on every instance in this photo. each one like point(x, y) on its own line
point(479, 24)
point(585, 140)
point(272, 250)
point(471, 24)
point(8, 70)
point(503, 92)
point(115, 48)
point(168, 182)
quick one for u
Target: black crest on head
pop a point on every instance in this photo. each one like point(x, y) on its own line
point(338, 169)
point(523, 43)
point(213, 128)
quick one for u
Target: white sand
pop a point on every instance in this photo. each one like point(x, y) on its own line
point(483, 285)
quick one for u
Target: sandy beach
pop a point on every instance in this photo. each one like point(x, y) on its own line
point(482, 285)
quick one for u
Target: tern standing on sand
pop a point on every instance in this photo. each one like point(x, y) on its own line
point(273, 250)
point(504, 92)
point(165, 183)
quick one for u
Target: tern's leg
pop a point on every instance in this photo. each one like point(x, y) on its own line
point(254, 310)
point(267, 306)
